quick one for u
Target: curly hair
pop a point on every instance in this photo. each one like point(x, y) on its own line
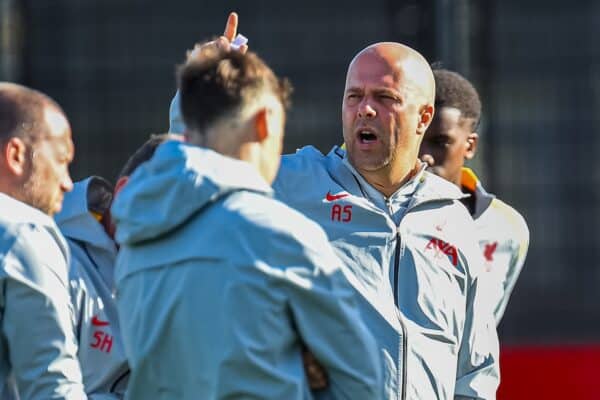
point(453, 90)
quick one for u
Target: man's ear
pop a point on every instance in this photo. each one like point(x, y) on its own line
point(472, 141)
point(425, 118)
point(120, 185)
point(261, 125)
point(15, 156)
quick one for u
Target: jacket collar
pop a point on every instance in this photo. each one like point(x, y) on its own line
point(23, 213)
point(423, 187)
point(472, 185)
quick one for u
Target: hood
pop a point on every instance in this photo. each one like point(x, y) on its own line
point(82, 208)
point(179, 181)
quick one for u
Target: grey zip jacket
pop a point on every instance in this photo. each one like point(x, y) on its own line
point(416, 258)
point(220, 287)
point(38, 348)
point(93, 256)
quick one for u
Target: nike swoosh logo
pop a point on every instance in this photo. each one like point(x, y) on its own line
point(98, 322)
point(333, 197)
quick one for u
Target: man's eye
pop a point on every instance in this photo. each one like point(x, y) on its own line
point(438, 141)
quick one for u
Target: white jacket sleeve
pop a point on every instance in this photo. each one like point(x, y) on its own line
point(478, 372)
point(38, 318)
point(520, 248)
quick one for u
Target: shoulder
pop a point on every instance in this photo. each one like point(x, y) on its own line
point(304, 173)
point(508, 220)
point(29, 251)
point(267, 223)
point(302, 163)
point(439, 200)
point(30, 239)
point(434, 187)
point(269, 215)
point(306, 155)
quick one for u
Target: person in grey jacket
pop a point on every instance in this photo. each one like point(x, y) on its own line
point(38, 348)
point(408, 241)
point(452, 139)
point(86, 223)
point(220, 286)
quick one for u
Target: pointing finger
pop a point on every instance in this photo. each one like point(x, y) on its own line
point(231, 26)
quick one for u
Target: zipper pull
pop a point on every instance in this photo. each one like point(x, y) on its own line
point(388, 204)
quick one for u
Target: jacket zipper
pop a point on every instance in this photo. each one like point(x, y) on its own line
point(404, 332)
point(395, 291)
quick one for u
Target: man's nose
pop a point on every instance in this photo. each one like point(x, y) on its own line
point(66, 184)
point(365, 109)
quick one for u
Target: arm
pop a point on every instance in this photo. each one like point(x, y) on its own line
point(43, 349)
point(478, 372)
point(325, 312)
point(521, 240)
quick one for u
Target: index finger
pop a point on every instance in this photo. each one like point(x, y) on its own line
point(231, 26)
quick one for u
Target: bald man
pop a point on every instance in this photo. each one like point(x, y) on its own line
point(402, 231)
point(38, 348)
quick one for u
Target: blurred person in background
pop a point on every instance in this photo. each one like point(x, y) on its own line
point(86, 223)
point(450, 140)
point(38, 348)
point(403, 232)
point(221, 287)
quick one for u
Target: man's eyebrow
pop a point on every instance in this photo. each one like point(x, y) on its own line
point(387, 91)
point(354, 89)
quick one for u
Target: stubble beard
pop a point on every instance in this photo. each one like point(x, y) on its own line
point(35, 193)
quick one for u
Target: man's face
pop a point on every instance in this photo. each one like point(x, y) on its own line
point(380, 114)
point(446, 144)
point(48, 178)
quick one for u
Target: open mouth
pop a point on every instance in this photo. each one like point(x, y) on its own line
point(366, 137)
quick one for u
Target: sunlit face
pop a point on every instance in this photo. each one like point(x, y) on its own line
point(380, 114)
point(446, 144)
point(48, 178)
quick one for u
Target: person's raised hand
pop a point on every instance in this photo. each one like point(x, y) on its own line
point(222, 43)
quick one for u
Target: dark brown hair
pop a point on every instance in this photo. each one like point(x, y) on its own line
point(22, 112)
point(143, 153)
point(222, 83)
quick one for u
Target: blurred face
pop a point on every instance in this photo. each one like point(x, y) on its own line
point(380, 114)
point(48, 178)
point(447, 143)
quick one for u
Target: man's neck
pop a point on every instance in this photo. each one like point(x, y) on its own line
point(388, 182)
